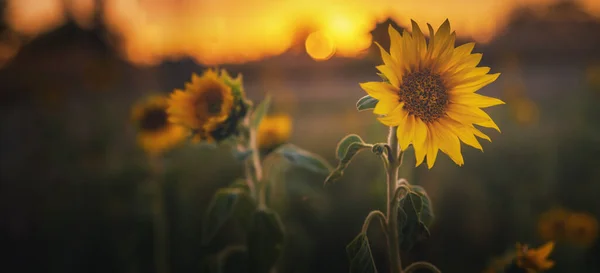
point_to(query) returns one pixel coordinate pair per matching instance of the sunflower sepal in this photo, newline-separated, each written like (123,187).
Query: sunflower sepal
(260,111)
(366,103)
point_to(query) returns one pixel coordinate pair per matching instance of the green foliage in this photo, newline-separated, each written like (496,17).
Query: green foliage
(264,241)
(305,166)
(347,148)
(295,156)
(415,215)
(260,111)
(227,203)
(219,263)
(426,215)
(359,253)
(366,103)
(241,155)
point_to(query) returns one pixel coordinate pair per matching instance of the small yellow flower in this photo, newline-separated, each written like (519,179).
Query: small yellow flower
(273,131)
(155,133)
(430,93)
(581,229)
(534,260)
(552,224)
(205,103)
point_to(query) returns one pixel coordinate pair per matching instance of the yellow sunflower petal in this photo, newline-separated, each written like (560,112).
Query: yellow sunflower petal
(385,106)
(489,124)
(474,99)
(464,114)
(467,74)
(405,133)
(386,57)
(449,144)
(441,38)
(462,132)
(479,134)
(475,83)
(419,141)
(419,39)
(394,117)
(395,44)
(471,60)
(409,56)
(545,250)
(380,90)
(432,146)
(463,50)
(390,74)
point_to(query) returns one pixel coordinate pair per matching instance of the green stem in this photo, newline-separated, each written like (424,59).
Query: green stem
(370,217)
(392,206)
(262,195)
(160,219)
(422,265)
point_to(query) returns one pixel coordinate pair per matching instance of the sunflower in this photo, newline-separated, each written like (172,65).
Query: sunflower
(429,93)
(273,131)
(211,106)
(552,224)
(155,133)
(581,229)
(534,260)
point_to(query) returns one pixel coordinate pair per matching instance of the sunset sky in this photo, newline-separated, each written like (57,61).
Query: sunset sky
(234,31)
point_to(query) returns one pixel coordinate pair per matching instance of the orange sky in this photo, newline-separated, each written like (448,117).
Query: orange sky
(234,31)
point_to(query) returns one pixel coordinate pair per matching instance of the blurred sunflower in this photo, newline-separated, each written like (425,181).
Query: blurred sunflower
(155,133)
(581,229)
(534,260)
(211,106)
(552,224)
(273,131)
(429,93)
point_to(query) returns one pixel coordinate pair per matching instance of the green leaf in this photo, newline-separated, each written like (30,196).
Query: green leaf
(412,229)
(344,144)
(366,103)
(226,203)
(260,111)
(336,174)
(303,158)
(359,253)
(219,263)
(426,216)
(264,241)
(240,184)
(347,148)
(241,155)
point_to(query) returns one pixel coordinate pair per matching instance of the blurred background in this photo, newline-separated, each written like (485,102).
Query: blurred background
(73,198)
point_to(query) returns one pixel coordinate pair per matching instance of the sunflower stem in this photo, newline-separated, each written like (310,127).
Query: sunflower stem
(248,173)
(159,214)
(392,206)
(258,173)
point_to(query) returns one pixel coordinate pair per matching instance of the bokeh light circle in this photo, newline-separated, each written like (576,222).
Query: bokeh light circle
(320,46)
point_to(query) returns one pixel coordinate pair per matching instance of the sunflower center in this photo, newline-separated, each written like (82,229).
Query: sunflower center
(210,102)
(154,119)
(424,95)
